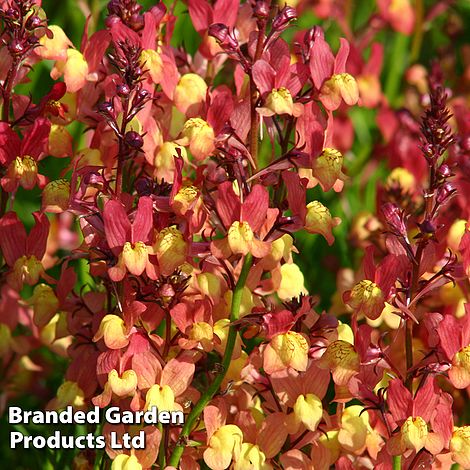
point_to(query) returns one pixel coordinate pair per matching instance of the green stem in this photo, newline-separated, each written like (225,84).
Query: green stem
(396,66)
(162,450)
(213,388)
(419,31)
(397,462)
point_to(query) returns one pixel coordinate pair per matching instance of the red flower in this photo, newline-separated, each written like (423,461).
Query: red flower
(129,241)
(329,74)
(22,252)
(242,221)
(454,335)
(21,155)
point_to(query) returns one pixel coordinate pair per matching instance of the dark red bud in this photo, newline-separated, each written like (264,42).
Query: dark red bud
(136,22)
(114,7)
(394,218)
(444,193)
(12,14)
(111,20)
(142,95)
(16,47)
(427,227)
(282,19)
(33,22)
(123,90)
(218,31)
(134,140)
(261,9)
(106,107)
(223,36)
(144,186)
(444,171)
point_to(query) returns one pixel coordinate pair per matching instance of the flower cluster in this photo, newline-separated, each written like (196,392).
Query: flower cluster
(161,265)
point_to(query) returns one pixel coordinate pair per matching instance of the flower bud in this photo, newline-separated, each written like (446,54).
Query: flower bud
(427,227)
(106,107)
(136,21)
(33,22)
(444,171)
(12,14)
(261,9)
(123,90)
(218,31)
(134,140)
(16,47)
(282,19)
(142,94)
(395,218)
(445,192)
(114,7)
(144,186)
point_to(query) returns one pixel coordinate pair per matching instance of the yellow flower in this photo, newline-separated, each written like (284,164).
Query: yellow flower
(224,445)
(251,458)
(327,168)
(319,220)
(366,298)
(69,393)
(135,257)
(286,350)
(342,359)
(152,62)
(55,196)
(292,282)
(126,462)
(308,409)
(113,330)
(171,249)
(414,432)
(460,446)
(190,93)
(25,170)
(125,385)
(200,137)
(161,397)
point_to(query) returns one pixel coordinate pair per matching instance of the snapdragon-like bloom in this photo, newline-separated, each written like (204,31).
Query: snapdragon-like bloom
(243,222)
(129,241)
(23,253)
